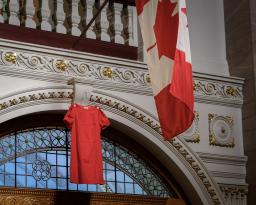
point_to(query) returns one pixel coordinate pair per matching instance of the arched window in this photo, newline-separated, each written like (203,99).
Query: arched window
(39,158)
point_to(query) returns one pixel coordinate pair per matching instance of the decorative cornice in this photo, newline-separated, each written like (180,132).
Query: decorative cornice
(109,73)
(74,67)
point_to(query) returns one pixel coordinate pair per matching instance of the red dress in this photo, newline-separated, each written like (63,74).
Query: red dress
(86,123)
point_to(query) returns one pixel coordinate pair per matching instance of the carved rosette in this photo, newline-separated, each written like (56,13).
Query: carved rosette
(192,133)
(60,65)
(10,57)
(221,130)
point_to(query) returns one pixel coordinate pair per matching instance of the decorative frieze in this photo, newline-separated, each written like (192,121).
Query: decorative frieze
(216,89)
(221,130)
(205,89)
(73,68)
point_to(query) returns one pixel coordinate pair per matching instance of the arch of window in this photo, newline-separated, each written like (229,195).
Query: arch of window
(39,158)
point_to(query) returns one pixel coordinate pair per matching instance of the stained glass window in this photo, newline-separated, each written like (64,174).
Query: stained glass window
(40,158)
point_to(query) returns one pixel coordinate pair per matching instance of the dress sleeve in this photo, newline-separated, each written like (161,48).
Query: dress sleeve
(69,117)
(103,120)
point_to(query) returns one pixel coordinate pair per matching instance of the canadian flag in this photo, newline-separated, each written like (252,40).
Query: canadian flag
(164,29)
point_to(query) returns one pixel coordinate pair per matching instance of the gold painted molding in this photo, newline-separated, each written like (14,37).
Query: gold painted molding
(12,196)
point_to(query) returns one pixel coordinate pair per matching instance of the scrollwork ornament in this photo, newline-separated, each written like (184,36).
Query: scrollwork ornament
(9,200)
(127,75)
(221,130)
(210,88)
(34,61)
(219,90)
(83,68)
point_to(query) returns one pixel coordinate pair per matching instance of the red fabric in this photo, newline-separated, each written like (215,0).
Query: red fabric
(167,31)
(175,102)
(86,123)
(165,36)
(140,4)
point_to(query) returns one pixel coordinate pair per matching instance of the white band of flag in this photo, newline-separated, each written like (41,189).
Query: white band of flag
(165,35)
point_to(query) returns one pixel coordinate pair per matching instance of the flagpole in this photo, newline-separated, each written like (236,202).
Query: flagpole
(89,24)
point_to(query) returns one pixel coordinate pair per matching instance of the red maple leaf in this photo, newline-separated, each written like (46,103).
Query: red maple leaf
(166,28)
(140,4)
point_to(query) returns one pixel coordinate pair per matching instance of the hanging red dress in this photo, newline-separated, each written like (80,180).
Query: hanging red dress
(86,123)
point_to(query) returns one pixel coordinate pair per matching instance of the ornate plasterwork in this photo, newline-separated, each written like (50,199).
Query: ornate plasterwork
(221,130)
(112,73)
(43,95)
(74,68)
(152,123)
(234,189)
(47,197)
(130,112)
(217,89)
(192,134)
(234,194)
(221,92)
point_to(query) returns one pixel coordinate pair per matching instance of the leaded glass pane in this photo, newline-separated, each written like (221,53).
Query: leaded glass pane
(40,158)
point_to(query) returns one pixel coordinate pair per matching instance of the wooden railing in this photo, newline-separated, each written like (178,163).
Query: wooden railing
(116,23)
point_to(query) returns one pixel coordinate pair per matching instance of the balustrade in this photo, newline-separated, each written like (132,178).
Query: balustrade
(116,23)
